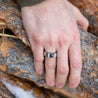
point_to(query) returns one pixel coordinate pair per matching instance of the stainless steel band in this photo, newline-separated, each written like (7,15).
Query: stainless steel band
(50,54)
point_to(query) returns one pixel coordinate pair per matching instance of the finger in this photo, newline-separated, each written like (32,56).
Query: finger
(82,21)
(38,58)
(50,64)
(62,67)
(75,63)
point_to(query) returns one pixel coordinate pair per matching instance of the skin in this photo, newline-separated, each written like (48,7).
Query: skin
(52,25)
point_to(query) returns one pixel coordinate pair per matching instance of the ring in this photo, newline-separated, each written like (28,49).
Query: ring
(50,54)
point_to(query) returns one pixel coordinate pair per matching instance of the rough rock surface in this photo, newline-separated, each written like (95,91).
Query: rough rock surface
(19,84)
(11,15)
(90,10)
(17,59)
(4,92)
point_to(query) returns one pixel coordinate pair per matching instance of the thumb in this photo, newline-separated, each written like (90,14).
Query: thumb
(82,21)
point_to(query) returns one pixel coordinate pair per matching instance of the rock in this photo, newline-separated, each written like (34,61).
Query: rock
(13,87)
(4,92)
(90,10)
(11,15)
(17,59)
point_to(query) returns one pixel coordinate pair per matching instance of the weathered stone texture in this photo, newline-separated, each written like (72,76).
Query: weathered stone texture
(10,14)
(17,59)
(4,92)
(90,10)
(36,92)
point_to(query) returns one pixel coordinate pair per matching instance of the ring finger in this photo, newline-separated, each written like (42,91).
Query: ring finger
(50,64)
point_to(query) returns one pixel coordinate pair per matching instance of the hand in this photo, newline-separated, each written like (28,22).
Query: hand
(52,25)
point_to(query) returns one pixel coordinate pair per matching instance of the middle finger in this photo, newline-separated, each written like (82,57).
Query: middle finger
(62,67)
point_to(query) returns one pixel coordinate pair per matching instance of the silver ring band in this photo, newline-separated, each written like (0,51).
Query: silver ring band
(50,55)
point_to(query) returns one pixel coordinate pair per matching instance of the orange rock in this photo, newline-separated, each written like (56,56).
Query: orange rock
(90,9)
(18,61)
(9,83)
(11,15)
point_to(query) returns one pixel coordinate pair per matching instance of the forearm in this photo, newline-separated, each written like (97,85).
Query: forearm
(28,2)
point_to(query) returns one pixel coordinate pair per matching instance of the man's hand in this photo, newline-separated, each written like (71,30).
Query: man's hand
(52,25)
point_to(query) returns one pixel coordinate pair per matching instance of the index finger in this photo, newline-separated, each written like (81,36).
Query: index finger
(75,63)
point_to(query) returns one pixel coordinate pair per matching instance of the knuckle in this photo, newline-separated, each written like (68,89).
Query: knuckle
(50,66)
(51,40)
(77,10)
(63,70)
(39,60)
(63,41)
(37,39)
(77,65)
(61,82)
(87,22)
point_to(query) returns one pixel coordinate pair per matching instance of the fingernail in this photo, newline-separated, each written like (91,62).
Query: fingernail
(73,84)
(59,85)
(51,83)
